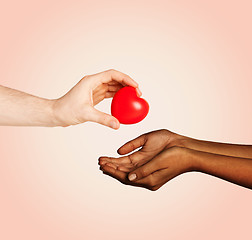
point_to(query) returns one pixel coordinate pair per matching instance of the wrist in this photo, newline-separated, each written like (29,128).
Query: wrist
(53,121)
(177,140)
(195,160)
(184,157)
(188,158)
(58,119)
(43,114)
(185,142)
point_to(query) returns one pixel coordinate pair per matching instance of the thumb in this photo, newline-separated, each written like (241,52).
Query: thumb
(103,118)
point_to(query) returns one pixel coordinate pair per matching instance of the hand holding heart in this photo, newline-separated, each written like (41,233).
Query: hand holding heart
(77,106)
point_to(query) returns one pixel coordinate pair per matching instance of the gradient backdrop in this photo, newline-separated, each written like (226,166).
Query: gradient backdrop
(193,62)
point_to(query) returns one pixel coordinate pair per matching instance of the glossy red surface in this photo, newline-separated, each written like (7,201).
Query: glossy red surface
(127,107)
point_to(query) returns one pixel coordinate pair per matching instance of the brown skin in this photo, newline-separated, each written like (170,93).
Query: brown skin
(164,155)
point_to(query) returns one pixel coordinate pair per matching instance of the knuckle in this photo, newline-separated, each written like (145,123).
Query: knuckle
(132,145)
(85,77)
(102,119)
(127,76)
(113,171)
(105,88)
(145,138)
(111,70)
(131,159)
(163,131)
(152,182)
(155,188)
(152,188)
(142,172)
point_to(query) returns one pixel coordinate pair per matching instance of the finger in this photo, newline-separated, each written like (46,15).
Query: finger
(120,168)
(125,169)
(132,145)
(102,93)
(105,91)
(103,118)
(100,88)
(118,161)
(110,165)
(113,75)
(146,169)
(108,86)
(127,166)
(130,160)
(120,176)
(139,93)
(154,180)
(115,88)
(110,94)
(113,82)
(155,188)
(97,99)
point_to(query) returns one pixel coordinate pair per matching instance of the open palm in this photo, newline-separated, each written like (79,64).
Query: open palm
(150,145)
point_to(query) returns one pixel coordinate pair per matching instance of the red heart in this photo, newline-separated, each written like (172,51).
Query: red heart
(127,107)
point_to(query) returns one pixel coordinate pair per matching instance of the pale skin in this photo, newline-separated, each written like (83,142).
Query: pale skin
(164,155)
(76,106)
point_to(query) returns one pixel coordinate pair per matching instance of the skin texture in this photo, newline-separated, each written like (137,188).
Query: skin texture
(76,106)
(163,155)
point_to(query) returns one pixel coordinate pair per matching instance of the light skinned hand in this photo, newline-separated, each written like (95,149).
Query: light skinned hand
(77,106)
(18,108)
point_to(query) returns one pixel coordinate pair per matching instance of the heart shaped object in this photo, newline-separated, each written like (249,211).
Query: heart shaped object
(127,107)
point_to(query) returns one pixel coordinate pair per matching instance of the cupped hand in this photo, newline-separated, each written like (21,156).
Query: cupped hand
(77,106)
(155,173)
(150,145)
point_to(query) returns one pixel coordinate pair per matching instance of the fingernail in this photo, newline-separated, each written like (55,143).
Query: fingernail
(132,176)
(139,92)
(113,125)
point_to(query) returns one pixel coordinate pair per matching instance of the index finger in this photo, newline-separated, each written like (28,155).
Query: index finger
(114,75)
(132,145)
(119,175)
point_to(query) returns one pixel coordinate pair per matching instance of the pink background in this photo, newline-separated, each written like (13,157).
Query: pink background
(193,62)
